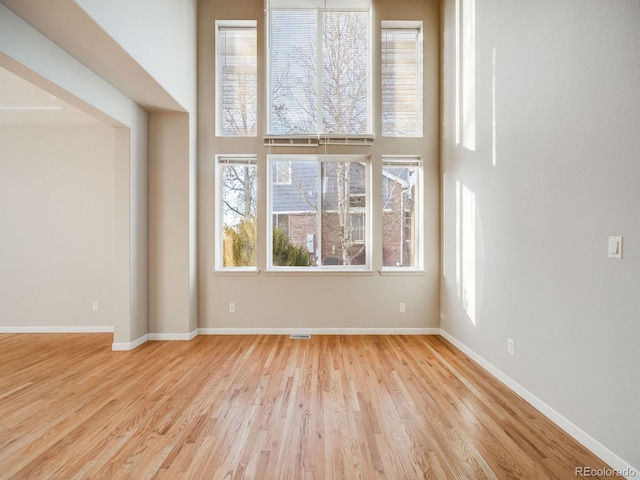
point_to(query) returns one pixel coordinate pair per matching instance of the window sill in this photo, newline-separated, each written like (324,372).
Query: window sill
(401,272)
(317,272)
(243,272)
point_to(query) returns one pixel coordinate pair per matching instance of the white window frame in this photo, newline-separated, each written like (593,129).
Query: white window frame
(221,25)
(366,210)
(407,26)
(418,247)
(319,5)
(220,161)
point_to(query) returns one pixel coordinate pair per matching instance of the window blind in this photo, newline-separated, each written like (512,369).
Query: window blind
(237,81)
(318,55)
(401,82)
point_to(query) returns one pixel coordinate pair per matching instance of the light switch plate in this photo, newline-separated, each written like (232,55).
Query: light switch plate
(615,247)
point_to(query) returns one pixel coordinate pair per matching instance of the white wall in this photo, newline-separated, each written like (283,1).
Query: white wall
(160,35)
(57,223)
(148,50)
(26,52)
(528,209)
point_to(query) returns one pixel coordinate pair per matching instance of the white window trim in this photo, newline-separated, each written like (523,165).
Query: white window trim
(322,137)
(318,159)
(221,24)
(219,205)
(410,25)
(419,267)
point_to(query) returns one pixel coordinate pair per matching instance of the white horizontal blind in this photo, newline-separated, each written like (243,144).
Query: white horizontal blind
(237,81)
(239,160)
(319,67)
(319,4)
(401,160)
(401,82)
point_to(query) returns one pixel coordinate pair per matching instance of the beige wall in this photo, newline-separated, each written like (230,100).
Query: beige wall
(171,306)
(553,173)
(57,223)
(26,52)
(154,77)
(282,300)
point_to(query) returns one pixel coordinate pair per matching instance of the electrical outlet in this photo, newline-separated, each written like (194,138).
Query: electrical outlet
(511,346)
(95,306)
(232,307)
(403,308)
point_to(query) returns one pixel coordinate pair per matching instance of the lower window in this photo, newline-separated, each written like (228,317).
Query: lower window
(237,232)
(401,225)
(320,215)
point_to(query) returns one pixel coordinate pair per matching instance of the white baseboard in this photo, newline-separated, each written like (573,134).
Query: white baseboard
(173,336)
(319,331)
(590,443)
(125,346)
(59,329)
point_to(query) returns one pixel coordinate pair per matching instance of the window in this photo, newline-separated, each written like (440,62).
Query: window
(401,225)
(325,226)
(236,84)
(358,227)
(319,67)
(282,172)
(237,189)
(401,79)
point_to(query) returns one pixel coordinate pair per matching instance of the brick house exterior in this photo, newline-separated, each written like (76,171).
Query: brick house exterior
(299,221)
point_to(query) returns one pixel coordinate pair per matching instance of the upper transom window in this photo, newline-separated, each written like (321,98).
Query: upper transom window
(319,58)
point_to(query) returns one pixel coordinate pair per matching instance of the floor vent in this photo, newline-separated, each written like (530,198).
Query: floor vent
(300,336)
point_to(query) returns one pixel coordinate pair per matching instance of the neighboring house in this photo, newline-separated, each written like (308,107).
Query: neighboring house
(296,203)
(398,216)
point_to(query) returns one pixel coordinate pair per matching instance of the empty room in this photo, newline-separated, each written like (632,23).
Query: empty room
(319,239)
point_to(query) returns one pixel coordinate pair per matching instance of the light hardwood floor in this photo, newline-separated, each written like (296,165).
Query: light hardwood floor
(267,407)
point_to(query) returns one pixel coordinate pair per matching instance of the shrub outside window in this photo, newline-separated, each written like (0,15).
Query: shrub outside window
(237,219)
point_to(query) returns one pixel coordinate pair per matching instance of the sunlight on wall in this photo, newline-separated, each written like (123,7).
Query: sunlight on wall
(494,160)
(466,249)
(469,74)
(458,240)
(469,253)
(457,73)
(444,225)
(465,39)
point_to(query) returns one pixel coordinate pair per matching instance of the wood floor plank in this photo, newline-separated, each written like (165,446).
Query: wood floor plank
(267,407)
